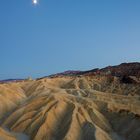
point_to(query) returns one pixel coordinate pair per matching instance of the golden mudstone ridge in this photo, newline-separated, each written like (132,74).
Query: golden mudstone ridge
(68,108)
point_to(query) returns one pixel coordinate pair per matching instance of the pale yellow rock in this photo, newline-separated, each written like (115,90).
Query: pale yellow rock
(68,108)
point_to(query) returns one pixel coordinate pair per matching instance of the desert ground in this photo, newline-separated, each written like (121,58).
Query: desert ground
(87,106)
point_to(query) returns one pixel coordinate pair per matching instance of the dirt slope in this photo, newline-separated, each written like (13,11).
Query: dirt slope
(69,108)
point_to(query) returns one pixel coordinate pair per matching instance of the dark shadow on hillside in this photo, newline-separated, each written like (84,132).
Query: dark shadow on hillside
(88,131)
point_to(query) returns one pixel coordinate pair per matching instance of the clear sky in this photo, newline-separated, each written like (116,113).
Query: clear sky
(59,35)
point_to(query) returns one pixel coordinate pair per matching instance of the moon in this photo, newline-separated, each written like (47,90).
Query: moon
(35,2)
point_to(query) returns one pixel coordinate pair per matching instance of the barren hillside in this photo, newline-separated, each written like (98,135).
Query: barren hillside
(91,106)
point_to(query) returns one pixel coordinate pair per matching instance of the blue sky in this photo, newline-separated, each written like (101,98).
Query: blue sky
(59,35)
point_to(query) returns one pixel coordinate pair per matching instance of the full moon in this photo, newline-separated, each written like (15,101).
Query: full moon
(35,1)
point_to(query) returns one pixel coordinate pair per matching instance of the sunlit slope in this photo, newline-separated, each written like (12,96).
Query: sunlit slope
(11,95)
(59,116)
(70,108)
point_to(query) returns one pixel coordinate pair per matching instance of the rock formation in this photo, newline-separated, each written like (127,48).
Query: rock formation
(85,107)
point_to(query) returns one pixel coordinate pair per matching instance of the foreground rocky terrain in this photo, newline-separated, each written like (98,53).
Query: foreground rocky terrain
(93,105)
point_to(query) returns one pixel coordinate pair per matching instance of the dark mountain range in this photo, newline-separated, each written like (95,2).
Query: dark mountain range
(10,80)
(124,69)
